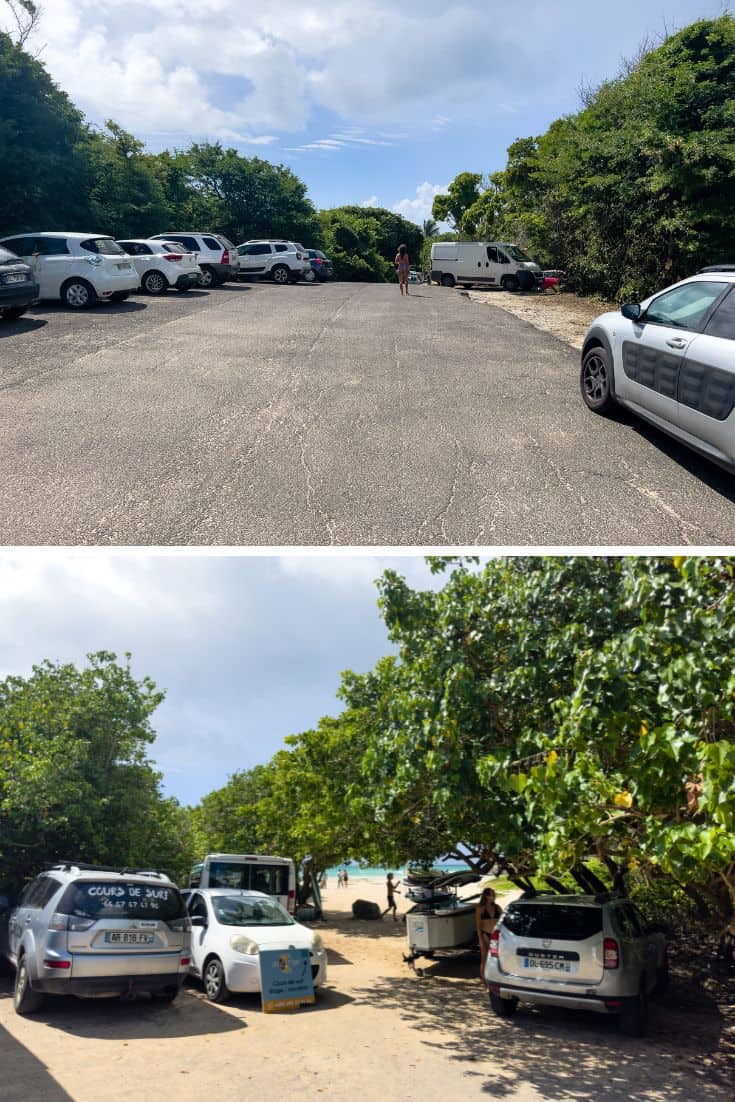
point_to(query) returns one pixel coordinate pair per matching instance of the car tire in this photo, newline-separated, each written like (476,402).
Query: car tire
(596,381)
(207,278)
(309,276)
(447,280)
(280,274)
(213,978)
(154,283)
(77,294)
(633,1018)
(25,999)
(510,283)
(504,1008)
(12,312)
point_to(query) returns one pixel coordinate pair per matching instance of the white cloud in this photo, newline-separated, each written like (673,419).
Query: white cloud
(371,201)
(419,208)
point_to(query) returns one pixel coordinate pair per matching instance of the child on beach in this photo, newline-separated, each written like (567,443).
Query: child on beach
(391,889)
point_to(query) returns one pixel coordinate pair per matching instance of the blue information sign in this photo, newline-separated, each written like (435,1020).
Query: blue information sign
(285,979)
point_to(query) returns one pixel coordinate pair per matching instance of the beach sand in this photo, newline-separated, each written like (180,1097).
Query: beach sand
(378,1031)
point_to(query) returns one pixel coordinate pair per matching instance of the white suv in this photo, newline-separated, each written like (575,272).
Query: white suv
(78,268)
(215,254)
(671,359)
(281,261)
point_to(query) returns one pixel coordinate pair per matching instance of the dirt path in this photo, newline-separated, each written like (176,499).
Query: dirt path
(564,315)
(378,1032)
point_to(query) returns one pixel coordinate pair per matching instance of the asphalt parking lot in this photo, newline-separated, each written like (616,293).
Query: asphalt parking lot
(326,414)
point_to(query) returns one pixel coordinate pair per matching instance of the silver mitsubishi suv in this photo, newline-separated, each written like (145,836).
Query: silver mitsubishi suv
(585,952)
(83,930)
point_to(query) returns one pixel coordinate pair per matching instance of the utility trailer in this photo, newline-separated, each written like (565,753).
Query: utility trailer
(439,921)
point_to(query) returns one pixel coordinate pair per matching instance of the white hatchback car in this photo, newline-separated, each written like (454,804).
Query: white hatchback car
(671,359)
(230,927)
(78,268)
(162,264)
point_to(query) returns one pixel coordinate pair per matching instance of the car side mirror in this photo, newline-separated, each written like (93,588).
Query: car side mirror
(632,311)
(198,920)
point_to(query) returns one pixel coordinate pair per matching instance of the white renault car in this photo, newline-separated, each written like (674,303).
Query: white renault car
(162,264)
(78,268)
(230,927)
(671,359)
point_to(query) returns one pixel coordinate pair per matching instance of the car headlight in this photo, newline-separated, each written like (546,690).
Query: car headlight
(316,943)
(244,945)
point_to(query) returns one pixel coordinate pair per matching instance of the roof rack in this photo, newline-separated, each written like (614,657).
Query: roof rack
(717,268)
(83,866)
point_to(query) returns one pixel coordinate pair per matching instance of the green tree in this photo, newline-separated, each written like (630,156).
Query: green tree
(126,196)
(75,779)
(453,207)
(362,241)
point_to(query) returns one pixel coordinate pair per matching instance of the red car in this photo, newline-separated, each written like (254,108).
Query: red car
(553,280)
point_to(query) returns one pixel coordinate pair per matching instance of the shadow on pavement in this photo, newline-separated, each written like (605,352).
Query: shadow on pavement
(10,328)
(562,1055)
(141,1019)
(23,1076)
(718,479)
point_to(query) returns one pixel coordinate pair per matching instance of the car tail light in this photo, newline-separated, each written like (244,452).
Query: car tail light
(226,256)
(291,901)
(173,256)
(318,259)
(494,939)
(185,962)
(64,964)
(610,953)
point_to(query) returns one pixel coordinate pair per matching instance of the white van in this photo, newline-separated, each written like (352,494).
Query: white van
(275,876)
(490,263)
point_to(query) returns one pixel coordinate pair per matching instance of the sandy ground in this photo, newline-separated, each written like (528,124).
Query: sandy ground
(378,1031)
(564,315)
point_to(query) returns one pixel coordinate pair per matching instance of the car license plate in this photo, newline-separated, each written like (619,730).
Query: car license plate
(128,937)
(17,277)
(549,965)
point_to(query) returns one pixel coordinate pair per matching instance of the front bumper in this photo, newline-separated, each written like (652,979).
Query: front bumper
(243,974)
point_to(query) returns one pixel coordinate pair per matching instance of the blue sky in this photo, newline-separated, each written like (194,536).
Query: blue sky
(248,648)
(369,101)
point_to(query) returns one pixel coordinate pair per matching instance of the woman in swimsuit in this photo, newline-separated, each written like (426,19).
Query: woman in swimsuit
(487,913)
(403,266)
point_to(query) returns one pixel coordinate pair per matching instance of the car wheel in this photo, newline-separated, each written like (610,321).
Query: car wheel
(309,276)
(280,274)
(25,999)
(510,283)
(206,279)
(595,380)
(155,283)
(504,1008)
(119,296)
(447,280)
(14,311)
(214,981)
(634,1016)
(77,294)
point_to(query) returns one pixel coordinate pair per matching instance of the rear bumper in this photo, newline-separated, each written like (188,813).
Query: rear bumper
(110,985)
(594,1001)
(19,294)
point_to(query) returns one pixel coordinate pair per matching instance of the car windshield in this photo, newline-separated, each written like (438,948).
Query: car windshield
(231,911)
(125,899)
(516,254)
(103,245)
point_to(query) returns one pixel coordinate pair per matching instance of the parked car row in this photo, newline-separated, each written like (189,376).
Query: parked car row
(98,932)
(80,269)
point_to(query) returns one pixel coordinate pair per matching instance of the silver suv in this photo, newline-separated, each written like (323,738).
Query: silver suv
(281,261)
(81,930)
(580,951)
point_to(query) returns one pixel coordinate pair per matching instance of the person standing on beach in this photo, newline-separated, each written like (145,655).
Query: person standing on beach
(487,913)
(403,266)
(391,889)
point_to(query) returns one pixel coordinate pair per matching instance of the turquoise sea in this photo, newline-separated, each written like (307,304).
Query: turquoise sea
(355,872)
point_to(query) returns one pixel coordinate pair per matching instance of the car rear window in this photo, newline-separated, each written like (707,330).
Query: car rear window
(102,245)
(271,879)
(211,243)
(557,921)
(124,899)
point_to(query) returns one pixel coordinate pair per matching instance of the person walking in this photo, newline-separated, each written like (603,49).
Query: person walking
(487,913)
(403,266)
(390,887)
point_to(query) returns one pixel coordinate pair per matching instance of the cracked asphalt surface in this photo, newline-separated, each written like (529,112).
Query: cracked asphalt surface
(335,414)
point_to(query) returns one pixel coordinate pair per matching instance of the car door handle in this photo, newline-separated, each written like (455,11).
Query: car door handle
(677,342)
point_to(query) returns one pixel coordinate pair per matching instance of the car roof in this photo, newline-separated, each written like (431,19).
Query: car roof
(189,233)
(75,873)
(70,235)
(239,893)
